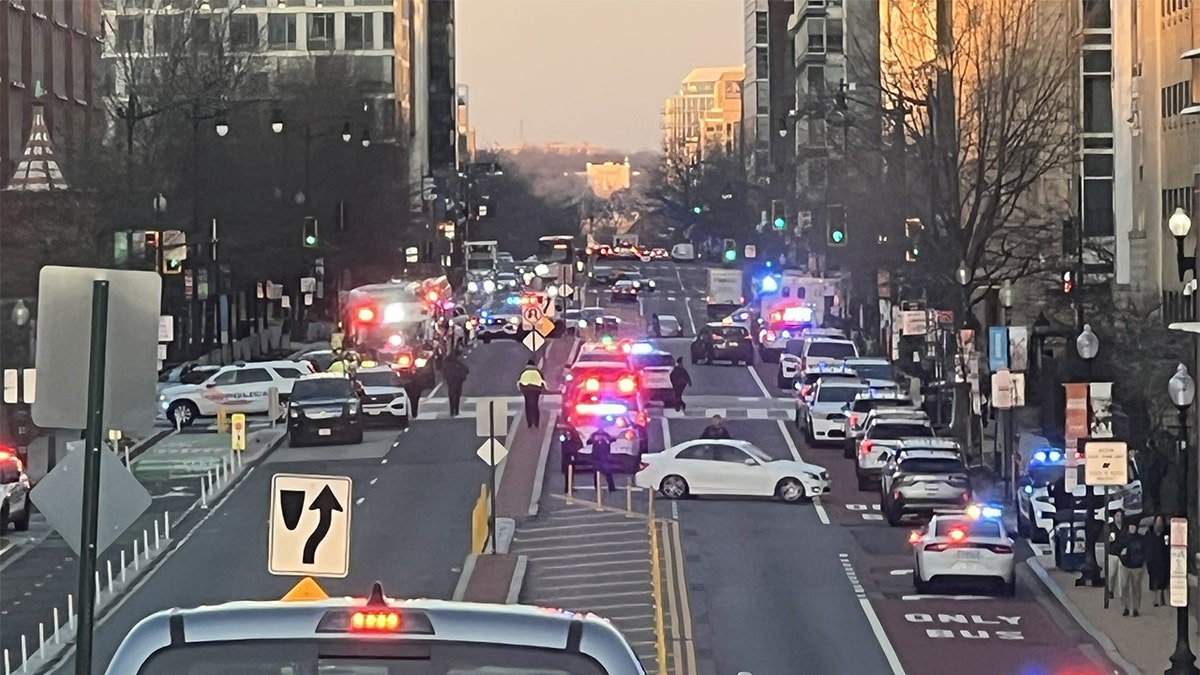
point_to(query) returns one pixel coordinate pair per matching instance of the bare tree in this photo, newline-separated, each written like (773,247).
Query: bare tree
(990,131)
(710,191)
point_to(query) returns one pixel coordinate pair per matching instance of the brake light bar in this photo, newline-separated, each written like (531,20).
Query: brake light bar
(627,385)
(603,409)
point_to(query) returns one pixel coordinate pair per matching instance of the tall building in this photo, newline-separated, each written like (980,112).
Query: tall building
(442,87)
(706,115)
(768,92)
(49,54)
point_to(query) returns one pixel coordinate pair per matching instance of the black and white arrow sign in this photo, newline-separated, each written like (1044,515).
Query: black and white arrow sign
(310,525)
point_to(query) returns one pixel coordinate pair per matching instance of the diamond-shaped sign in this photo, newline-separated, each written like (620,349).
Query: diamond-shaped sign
(566,290)
(533,342)
(492,452)
(544,327)
(59,496)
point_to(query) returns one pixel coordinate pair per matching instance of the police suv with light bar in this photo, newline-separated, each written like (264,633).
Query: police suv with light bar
(1035,507)
(967,544)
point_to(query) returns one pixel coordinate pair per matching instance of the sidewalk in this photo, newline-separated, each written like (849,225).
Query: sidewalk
(1146,641)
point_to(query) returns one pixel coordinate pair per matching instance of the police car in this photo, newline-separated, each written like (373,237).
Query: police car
(791,360)
(384,398)
(576,427)
(882,436)
(309,632)
(824,415)
(500,321)
(238,388)
(807,384)
(783,324)
(861,407)
(1047,466)
(655,366)
(967,545)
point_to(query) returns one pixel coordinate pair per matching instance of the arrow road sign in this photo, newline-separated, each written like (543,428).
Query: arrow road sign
(310,525)
(1106,463)
(533,342)
(532,314)
(492,449)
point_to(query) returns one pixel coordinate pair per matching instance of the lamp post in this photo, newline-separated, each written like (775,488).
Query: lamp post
(1088,346)
(1182,390)
(1007,470)
(21,316)
(1180,224)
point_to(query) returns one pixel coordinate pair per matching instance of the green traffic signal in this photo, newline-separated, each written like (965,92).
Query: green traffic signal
(730,255)
(310,240)
(697,209)
(780,223)
(837,236)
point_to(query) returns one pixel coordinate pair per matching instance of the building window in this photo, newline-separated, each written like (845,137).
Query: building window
(15,42)
(37,51)
(167,30)
(243,32)
(281,31)
(762,63)
(816,80)
(389,30)
(202,31)
(833,35)
(1097,14)
(1097,61)
(58,57)
(320,32)
(761,28)
(1097,104)
(359,31)
(762,96)
(816,36)
(1097,209)
(131,33)
(78,78)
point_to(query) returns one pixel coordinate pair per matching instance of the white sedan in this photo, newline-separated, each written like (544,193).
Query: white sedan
(971,545)
(729,467)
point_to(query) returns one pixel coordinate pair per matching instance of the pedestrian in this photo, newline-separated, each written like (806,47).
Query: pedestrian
(1158,559)
(1131,549)
(680,380)
(532,386)
(654,327)
(455,373)
(414,386)
(601,444)
(1112,566)
(716,429)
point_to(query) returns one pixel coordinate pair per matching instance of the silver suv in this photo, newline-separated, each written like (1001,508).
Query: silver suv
(881,437)
(923,475)
(858,409)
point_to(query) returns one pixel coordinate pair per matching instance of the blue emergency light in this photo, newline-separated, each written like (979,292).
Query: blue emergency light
(642,348)
(1047,456)
(512,300)
(769,284)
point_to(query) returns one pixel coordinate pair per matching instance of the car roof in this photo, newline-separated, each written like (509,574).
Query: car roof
(322,376)
(871,360)
(826,339)
(887,394)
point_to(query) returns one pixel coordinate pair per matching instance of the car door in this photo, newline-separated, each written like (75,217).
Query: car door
(695,464)
(741,474)
(250,392)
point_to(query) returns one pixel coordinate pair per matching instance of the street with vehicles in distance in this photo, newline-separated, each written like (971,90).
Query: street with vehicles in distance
(724,583)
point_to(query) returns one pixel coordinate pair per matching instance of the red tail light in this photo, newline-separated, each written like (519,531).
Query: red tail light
(642,466)
(629,435)
(404,360)
(999,548)
(432,296)
(592,384)
(935,547)
(375,622)
(865,447)
(914,537)
(957,534)
(627,385)
(642,419)
(366,314)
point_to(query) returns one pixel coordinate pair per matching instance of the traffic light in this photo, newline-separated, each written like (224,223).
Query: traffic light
(310,232)
(172,265)
(1068,281)
(778,215)
(697,209)
(836,226)
(152,248)
(730,250)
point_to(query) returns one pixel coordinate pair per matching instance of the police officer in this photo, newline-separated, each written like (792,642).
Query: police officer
(680,380)
(532,386)
(601,443)
(455,372)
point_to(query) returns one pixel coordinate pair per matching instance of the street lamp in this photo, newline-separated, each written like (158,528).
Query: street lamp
(1006,299)
(346,135)
(277,121)
(1088,346)
(1182,390)
(222,127)
(1180,224)
(963,274)
(366,138)
(20,313)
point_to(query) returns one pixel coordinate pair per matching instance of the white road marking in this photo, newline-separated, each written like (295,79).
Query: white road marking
(374,479)
(666,432)
(900,573)
(675,509)
(822,514)
(434,390)
(971,598)
(713,412)
(872,618)
(360,500)
(756,413)
(758,380)
(688,307)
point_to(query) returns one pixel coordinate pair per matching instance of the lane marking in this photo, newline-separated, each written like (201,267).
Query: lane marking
(872,618)
(666,432)
(685,608)
(758,380)
(360,500)
(675,509)
(822,514)
(686,304)
(714,412)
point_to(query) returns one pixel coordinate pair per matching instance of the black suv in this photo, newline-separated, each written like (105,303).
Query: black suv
(325,407)
(723,342)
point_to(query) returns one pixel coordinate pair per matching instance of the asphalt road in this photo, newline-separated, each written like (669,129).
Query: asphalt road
(413,494)
(827,587)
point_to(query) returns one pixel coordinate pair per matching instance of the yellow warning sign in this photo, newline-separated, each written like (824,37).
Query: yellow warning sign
(307,590)
(238,427)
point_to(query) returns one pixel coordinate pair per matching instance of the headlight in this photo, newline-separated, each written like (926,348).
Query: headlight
(582,323)
(421,361)
(489,285)
(812,476)
(292,412)
(541,270)
(513,320)
(472,287)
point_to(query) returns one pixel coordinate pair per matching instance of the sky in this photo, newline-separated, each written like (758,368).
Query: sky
(586,70)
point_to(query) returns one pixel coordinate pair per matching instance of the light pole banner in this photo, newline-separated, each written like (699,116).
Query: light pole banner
(1100,400)
(1076,423)
(997,348)
(1018,349)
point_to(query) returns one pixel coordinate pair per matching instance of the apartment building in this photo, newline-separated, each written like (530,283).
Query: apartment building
(706,114)
(768,92)
(49,51)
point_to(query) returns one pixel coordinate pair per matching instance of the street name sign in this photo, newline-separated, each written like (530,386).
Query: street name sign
(64,340)
(59,497)
(310,525)
(1105,463)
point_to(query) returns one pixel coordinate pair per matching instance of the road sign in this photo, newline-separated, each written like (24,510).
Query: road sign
(532,313)
(566,290)
(59,497)
(310,525)
(1178,581)
(237,429)
(544,327)
(492,452)
(166,328)
(491,417)
(533,342)
(20,386)
(64,338)
(1106,463)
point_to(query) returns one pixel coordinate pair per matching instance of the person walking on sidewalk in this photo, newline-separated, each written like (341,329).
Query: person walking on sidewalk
(601,444)
(455,372)
(1112,565)
(680,380)
(1158,559)
(532,386)
(1131,549)
(414,386)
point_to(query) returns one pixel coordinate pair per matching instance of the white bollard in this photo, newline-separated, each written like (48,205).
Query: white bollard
(239,460)
(146,544)
(204,492)
(167,525)
(41,638)
(71,610)
(137,561)
(110,575)
(24,651)
(96,597)
(56,625)
(122,565)
(7,664)
(157,541)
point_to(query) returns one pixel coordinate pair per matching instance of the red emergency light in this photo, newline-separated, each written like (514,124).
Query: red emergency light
(375,622)
(627,385)
(366,314)
(404,360)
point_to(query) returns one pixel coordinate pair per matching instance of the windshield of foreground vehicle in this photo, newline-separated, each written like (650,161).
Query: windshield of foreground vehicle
(303,657)
(837,394)
(380,379)
(831,350)
(874,371)
(323,388)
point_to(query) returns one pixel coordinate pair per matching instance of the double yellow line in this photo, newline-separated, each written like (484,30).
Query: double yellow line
(673,602)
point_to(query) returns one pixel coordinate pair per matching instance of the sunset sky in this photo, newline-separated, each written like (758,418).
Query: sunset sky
(586,70)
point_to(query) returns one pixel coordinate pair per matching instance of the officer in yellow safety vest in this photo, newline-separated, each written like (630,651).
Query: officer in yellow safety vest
(532,386)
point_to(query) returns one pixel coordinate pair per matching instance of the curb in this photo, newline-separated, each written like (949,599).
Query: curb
(518,580)
(1102,639)
(514,585)
(464,578)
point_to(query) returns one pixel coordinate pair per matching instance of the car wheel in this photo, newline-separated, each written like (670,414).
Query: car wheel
(673,487)
(790,490)
(357,437)
(183,412)
(919,584)
(22,524)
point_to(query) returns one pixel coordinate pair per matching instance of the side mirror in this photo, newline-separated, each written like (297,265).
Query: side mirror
(750,462)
